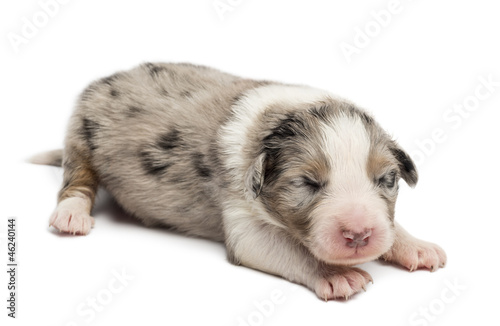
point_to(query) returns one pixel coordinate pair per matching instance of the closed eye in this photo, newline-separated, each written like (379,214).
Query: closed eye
(314,185)
(306,182)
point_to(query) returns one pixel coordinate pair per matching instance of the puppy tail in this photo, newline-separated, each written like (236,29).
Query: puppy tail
(48,158)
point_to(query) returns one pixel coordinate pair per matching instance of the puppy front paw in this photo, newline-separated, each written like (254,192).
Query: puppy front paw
(340,282)
(417,254)
(71,217)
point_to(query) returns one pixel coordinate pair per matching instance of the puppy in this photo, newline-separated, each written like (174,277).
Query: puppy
(294,181)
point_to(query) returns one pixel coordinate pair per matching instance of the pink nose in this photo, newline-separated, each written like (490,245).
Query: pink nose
(354,240)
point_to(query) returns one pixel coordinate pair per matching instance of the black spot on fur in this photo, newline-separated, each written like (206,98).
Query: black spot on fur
(133,111)
(289,127)
(366,118)
(89,131)
(322,113)
(201,168)
(287,130)
(273,172)
(152,165)
(154,70)
(114,93)
(186,94)
(169,140)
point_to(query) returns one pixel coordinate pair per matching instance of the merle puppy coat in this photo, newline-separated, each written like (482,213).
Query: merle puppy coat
(295,181)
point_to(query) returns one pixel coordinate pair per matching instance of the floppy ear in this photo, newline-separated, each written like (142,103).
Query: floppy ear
(254,178)
(406,166)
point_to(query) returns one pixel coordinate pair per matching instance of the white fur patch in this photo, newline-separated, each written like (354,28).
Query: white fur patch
(352,203)
(347,144)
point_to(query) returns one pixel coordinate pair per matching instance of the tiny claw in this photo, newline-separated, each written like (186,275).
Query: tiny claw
(346,298)
(363,287)
(326,298)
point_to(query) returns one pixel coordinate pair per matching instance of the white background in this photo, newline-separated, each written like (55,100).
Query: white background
(428,58)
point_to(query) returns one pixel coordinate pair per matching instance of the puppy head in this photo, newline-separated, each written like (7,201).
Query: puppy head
(329,174)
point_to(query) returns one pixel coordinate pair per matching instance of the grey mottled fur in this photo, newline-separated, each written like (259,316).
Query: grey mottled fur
(131,115)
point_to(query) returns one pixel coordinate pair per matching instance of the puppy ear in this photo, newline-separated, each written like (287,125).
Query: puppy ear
(406,165)
(254,178)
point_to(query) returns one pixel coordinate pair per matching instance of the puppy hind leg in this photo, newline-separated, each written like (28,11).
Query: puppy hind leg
(76,198)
